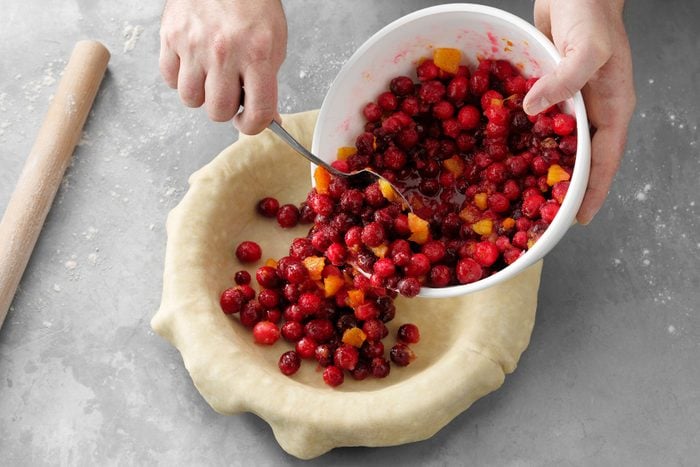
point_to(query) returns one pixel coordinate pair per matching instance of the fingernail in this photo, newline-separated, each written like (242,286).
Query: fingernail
(533,108)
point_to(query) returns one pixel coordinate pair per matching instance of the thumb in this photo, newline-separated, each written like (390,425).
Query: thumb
(574,70)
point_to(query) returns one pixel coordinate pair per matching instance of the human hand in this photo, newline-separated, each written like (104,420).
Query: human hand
(596,59)
(210,49)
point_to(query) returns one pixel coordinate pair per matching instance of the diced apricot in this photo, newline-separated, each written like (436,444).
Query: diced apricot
(508,223)
(322,179)
(356,297)
(419,229)
(483,227)
(556,174)
(315,265)
(271,262)
(380,251)
(455,165)
(332,284)
(344,152)
(447,59)
(354,336)
(481,200)
(387,190)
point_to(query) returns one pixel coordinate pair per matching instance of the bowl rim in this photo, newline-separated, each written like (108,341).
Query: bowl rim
(579,179)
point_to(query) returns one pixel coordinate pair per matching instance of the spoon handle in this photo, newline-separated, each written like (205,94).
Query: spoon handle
(289,139)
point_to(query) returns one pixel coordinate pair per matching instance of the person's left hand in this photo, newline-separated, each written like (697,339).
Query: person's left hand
(596,59)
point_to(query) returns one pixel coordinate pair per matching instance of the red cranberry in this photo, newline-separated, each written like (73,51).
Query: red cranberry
(288,216)
(409,287)
(320,330)
(268,207)
(479,83)
(361,371)
(346,357)
(498,202)
(486,253)
(289,363)
(373,234)
(427,70)
(336,254)
(563,124)
(251,313)
(321,204)
(384,268)
(469,117)
(372,349)
(248,292)
(324,355)
(468,271)
(440,276)
(306,214)
(458,88)
(401,354)
(266,333)
(267,277)
(310,303)
(548,211)
(367,310)
(269,298)
(242,277)
(431,91)
(380,367)
(531,205)
(374,329)
(419,265)
(333,376)
(401,86)
(292,331)
(372,112)
(559,191)
(515,85)
(232,300)
(305,347)
(248,252)
(387,101)
(293,313)
(543,126)
(443,110)
(409,333)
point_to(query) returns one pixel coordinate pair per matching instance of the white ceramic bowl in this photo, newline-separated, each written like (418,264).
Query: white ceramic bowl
(478,31)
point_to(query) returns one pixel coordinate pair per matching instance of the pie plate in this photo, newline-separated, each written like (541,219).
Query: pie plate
(468,343)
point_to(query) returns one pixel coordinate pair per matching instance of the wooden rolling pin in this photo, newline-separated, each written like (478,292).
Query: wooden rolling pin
(46,164)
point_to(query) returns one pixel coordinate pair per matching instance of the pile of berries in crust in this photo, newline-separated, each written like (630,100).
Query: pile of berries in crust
(484,181)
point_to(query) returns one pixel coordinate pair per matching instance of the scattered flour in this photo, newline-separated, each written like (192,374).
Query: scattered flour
(70,264)
(92,258)
(642,194)
(131,35)
(56,288)
(672,329)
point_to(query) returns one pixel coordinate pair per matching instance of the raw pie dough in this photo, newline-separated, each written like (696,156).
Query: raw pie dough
(468,344)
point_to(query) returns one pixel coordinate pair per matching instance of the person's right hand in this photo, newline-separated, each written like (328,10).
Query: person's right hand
(210,49)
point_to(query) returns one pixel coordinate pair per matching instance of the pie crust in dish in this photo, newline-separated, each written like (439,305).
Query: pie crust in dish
(468,344)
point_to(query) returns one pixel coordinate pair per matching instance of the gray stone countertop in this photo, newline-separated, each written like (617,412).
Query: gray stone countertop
(611,375)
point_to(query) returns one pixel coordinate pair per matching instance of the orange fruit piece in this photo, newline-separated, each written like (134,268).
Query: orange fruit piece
(556,174)
(419,229)
(447,59)
(354,336)
(481,201)
(315,265)
(455,165)
(344,152)
(508,223)
(387,190)
(483,227)
(380,251)
(356,298)
(322,179)
(332,284)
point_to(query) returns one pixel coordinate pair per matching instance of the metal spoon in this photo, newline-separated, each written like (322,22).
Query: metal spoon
(294,144)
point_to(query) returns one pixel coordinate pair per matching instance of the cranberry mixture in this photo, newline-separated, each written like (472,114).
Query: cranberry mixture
(484,181)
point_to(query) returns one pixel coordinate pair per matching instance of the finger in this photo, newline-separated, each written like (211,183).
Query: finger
(542,17)
(607,148)
(260,82)
(190,83)
(575,69)
(221,94)
(169,64)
